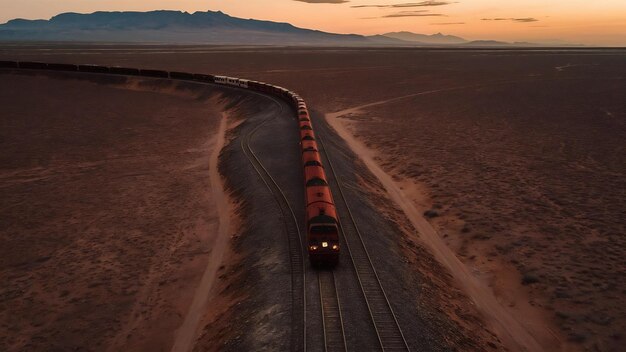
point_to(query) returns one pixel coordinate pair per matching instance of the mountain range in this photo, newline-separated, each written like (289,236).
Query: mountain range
(210,27)
(426,39)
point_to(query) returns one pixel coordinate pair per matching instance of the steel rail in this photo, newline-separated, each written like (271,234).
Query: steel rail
(332,320)
(384,319)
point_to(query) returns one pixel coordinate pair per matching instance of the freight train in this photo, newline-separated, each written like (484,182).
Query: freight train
(322,223)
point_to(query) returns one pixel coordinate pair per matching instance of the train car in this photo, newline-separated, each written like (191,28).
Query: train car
(307,135)
(203,78)
(268,88)
(303,113)
(242,83)
(264,87)
(93,69)
(9,64)
(275,90)
(63,67)
(314,175)
(124,71)
(30,65)
(311,159)
(181,75)
(254,85)
(305,125)
(154,73)
(221,79)
(309,145)
(235,82)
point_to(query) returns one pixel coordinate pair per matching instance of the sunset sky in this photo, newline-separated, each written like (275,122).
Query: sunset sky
(598,22)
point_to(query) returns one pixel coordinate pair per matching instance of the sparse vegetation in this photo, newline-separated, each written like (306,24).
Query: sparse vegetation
(529,168)
(529,278)
(431,213)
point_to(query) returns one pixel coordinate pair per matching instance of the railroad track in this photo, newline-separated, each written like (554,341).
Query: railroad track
(298,274)
(334,339)
(383,318)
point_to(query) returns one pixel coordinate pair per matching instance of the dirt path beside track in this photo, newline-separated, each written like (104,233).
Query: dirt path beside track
(187,333)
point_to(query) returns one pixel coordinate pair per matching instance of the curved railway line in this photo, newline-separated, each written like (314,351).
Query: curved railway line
(298,272)
(383,319)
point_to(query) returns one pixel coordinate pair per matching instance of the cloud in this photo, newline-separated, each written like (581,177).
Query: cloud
(409,4)
(526,19)
(446,23)
(522,20)
(323,1)
(419,13)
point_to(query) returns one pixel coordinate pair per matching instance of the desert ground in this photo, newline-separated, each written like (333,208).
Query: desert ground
(494,180)
(99,246)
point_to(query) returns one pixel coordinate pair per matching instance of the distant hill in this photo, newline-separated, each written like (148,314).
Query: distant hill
(437,38)
(487,43)
(210,27)
(495,43)
(168,27)
(384,40)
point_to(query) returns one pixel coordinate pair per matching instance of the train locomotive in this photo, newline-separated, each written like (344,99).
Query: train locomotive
(322,224)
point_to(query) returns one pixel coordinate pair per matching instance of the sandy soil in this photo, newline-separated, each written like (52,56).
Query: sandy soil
(109,212)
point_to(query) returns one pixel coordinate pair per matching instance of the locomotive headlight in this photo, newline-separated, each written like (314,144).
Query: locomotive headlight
(335,247)
(324,244)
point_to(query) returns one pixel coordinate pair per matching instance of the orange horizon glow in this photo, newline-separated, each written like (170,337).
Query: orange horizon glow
(601,23)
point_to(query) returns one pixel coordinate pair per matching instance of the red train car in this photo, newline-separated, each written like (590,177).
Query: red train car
(322,226)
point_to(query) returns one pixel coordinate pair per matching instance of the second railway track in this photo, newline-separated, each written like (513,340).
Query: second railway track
(383,317)
(298,275)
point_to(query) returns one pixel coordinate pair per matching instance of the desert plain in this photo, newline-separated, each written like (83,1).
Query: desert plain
(496,178)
